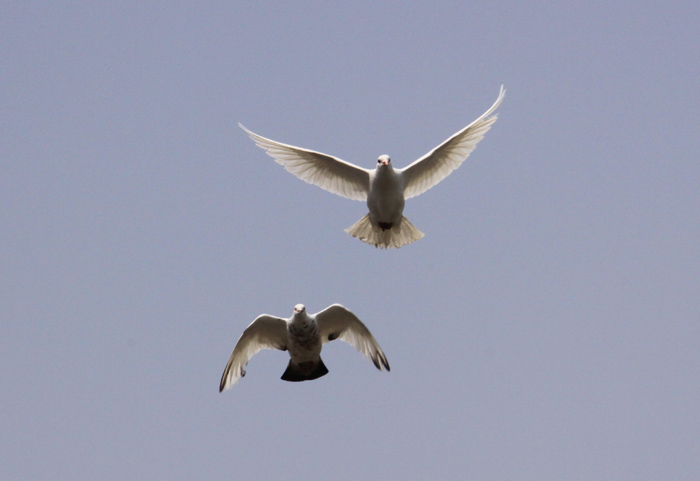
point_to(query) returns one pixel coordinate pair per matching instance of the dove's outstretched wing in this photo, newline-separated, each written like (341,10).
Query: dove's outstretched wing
(336,322)
(265,332)
(328,172)
(437,164)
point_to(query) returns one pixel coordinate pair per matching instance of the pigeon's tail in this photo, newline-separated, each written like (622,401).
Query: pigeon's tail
(305,371)
(399,235)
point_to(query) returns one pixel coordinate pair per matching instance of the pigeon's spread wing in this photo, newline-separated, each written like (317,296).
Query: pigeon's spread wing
(336,322)
(265,332)
(327,172)
(437,164)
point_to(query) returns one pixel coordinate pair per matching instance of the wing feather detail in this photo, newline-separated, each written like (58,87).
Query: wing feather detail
(265,332)
(337,322)
(328,172)
(437,164)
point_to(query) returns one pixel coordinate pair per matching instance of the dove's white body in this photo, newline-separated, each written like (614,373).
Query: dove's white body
(385,189)
(385,200)
(303,336)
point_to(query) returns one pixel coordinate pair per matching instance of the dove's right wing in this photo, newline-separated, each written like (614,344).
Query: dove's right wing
(265,332)
(437,164)
(337,322)
(328,172)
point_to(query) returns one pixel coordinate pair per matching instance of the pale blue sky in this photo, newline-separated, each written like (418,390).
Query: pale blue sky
(546,328)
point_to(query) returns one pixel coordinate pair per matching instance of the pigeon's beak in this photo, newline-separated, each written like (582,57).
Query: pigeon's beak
(385,162)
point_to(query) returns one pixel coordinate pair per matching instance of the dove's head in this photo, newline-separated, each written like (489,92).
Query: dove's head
(383,160)
(299,308)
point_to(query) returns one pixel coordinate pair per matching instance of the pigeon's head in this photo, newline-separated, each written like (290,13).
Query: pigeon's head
(299,308)
(383,160)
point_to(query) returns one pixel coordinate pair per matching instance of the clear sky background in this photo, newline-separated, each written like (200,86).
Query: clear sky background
(546,328)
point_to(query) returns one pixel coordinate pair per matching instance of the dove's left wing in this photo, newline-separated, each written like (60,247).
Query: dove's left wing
(437,164)
(328,172)
(336,322)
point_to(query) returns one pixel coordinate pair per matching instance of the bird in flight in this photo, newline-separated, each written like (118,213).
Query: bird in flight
(385,189)
(303,336)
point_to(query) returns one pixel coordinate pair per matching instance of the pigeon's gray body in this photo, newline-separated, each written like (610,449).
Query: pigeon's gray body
(304,345)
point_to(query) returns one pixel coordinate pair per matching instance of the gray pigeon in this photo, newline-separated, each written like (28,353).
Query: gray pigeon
(302,335)
(385,189)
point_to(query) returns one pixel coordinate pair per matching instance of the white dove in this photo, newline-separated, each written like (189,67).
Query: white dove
(385,189)
(302,335)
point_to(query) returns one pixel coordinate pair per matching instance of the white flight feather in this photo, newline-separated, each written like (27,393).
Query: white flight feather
(328,172)
(265,332)
(337,322)
(437,164)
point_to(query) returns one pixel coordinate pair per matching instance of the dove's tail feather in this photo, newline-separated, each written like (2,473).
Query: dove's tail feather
(399,235)
(305,371)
